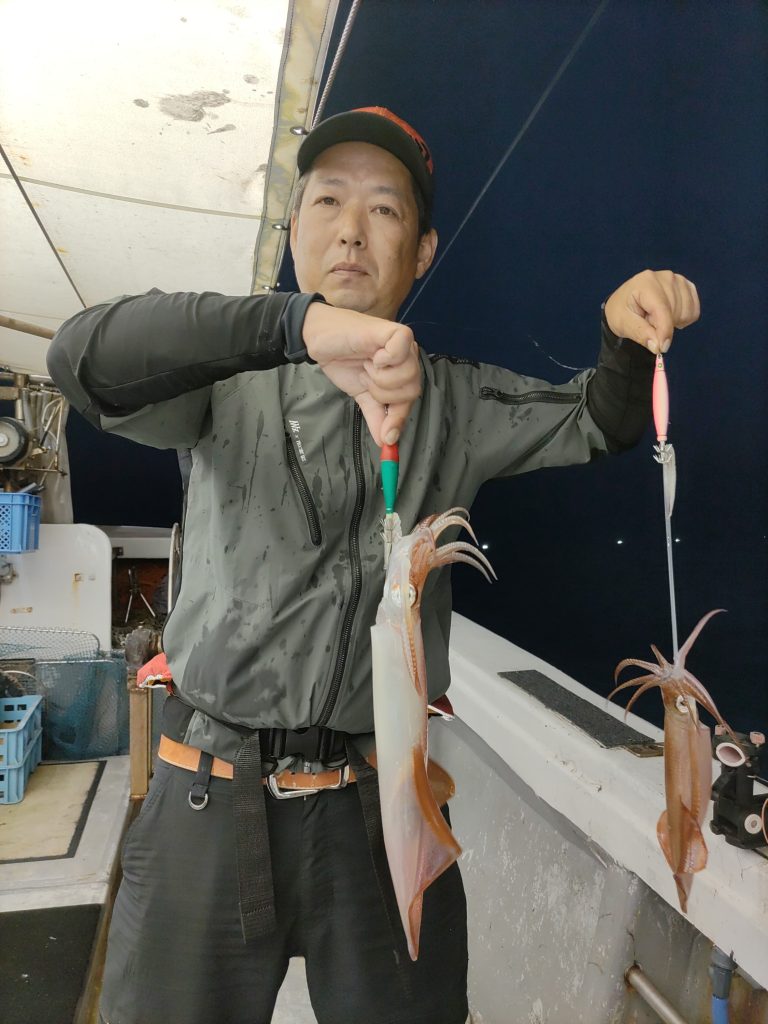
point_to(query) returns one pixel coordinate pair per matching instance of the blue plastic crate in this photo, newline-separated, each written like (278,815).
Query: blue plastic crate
(13,781)
(19,522)
(21,722)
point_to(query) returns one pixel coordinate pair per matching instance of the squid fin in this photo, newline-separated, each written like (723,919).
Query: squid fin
(683,883)
(662,832)
(693,854)
(435,849)
(695,849)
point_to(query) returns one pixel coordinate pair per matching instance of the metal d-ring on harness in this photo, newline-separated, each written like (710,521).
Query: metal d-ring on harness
(198,791)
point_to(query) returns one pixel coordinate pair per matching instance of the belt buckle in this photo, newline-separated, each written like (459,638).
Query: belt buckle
(290,794)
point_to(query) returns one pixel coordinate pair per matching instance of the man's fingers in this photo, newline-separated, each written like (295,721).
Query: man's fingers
(375,361)
(650,306)
(690,307)
(374,415)
(653,324)
(384,422)
(394,420)
(393,396)
(331,333)
(398,348)
(406,377)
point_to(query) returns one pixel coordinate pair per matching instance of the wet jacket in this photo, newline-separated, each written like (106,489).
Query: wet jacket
(282,566)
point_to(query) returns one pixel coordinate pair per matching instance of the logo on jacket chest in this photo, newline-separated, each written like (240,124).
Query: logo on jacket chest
(296,431)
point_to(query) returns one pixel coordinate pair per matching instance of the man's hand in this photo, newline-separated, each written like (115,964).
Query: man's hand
(649,306)
(374,361)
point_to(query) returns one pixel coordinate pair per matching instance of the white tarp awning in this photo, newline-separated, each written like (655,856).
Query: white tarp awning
(153,144)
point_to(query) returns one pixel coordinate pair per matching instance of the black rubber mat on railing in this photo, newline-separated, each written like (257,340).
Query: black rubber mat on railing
(602,727)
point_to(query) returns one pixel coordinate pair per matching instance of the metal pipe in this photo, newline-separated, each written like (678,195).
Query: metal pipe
(20,381)
(26,328)
(641,983)
(721,968)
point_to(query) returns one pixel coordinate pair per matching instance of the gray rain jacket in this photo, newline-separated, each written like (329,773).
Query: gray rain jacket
(282,565)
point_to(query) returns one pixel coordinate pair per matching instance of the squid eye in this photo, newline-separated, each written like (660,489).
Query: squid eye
(396,596)
(682,704)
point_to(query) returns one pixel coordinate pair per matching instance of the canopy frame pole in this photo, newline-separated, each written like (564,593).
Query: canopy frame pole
(26,328)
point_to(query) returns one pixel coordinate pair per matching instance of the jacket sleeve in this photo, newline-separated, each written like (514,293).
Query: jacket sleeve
(143,366)
(516,424)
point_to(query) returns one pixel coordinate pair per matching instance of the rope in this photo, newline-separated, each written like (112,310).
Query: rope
(514,144)
(336,60)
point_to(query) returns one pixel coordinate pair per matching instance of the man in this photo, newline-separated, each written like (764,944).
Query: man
(282,573)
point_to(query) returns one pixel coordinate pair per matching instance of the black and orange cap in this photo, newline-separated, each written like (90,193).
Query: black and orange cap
(380,127)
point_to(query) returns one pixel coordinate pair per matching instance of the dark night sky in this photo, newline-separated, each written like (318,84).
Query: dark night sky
(650,151)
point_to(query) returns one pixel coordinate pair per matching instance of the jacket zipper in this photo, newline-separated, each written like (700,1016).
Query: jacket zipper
(357,572)
(310,511)
(493,394)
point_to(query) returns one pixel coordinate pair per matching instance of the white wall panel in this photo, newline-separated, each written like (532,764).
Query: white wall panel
(114,247)
(170,102)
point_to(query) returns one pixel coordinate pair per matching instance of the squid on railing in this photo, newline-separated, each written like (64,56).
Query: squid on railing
(419,843)
(687,757)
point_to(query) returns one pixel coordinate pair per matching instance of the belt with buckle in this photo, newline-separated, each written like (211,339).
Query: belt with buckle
(282,785)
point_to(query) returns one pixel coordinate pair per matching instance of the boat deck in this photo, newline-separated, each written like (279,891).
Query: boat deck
(59,850)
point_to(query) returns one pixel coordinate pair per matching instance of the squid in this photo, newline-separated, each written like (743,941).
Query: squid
(687,758)
(419,843)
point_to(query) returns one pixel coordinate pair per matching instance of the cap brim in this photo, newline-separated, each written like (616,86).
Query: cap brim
(362,126)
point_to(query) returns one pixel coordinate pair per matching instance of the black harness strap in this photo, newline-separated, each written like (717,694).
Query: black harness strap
(368,791)
(198,792)
(254,867)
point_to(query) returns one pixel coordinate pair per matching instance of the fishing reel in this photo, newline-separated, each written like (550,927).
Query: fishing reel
(738,811)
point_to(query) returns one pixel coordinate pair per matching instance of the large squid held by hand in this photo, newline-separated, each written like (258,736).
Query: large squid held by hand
(418,841)
(687,758)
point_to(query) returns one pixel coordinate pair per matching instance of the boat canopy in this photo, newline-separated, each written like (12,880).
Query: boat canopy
(145,147)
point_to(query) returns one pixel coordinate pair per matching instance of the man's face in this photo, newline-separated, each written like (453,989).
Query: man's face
(355,238)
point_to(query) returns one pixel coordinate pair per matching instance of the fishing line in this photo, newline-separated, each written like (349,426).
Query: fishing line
(514,144)
(461,328)
(552,359)
(40,224)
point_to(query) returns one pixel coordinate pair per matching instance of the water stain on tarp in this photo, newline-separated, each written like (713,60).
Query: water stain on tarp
(251,79)
(141,103)
(192,107)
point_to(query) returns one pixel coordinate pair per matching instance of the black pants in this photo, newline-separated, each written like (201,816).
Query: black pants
(176,953)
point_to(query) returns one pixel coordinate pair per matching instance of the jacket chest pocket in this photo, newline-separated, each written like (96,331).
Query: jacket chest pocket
(305,495)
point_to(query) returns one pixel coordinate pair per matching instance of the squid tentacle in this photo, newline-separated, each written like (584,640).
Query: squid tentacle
(458,516)
(638,693)
(445,523)
(644,682)
(636,662)
(685,649)
(445,554)
(660,657)
(458,556)
(695,689)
